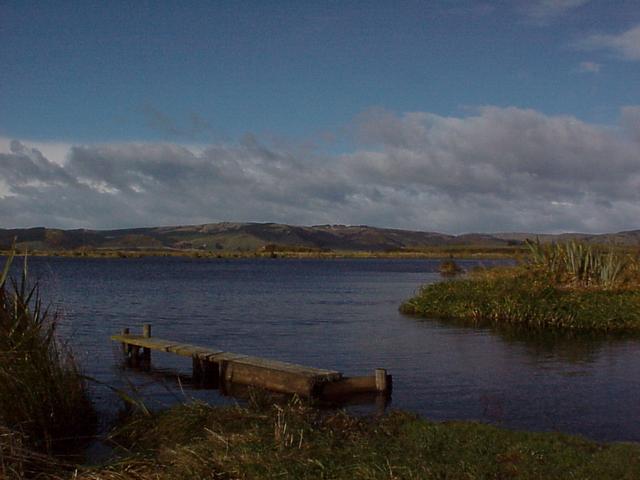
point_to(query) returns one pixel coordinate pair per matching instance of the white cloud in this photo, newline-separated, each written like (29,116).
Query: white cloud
(589,67)
(625,45)
(54,151)
(630,120)
(543,11)
(497,169)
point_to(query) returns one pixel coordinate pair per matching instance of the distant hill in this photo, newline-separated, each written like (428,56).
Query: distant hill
(255,236)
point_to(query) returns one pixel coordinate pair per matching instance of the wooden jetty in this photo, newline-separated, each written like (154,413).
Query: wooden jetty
(215,368)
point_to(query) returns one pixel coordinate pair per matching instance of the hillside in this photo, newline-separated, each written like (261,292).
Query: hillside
(248,237)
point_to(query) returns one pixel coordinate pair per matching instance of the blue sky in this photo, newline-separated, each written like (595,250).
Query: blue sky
(94,71)
(313,82)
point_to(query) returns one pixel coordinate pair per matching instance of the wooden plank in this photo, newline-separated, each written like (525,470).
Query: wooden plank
(274,380)
(187,350)
(215,355)
(158,344)
(218,357)
(140,341)
(328,375)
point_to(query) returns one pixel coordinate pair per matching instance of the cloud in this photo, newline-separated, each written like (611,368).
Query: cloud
(496,169)
(630,120)
(195,127)
(54,151)
(544,11)
(625,45)
(589,67)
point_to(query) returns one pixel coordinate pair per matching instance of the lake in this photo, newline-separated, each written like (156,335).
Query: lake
(341,314)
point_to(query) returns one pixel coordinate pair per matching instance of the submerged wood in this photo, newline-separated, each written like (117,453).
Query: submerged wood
(213,367)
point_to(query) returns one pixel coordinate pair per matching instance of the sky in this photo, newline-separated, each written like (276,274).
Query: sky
(451,116)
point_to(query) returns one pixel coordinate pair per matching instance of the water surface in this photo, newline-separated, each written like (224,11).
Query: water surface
(343,315)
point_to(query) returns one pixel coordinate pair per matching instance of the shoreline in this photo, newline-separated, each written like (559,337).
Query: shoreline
(445,253)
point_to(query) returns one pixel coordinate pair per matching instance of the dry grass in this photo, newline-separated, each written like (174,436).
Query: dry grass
(296,441)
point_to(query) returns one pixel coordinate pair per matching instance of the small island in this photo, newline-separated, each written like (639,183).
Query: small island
(568,286)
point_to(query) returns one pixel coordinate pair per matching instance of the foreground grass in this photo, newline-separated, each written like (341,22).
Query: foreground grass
(519,298)
(197,441)
(44,406)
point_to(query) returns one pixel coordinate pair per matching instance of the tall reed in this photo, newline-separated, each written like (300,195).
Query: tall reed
(580,264)
(43,396)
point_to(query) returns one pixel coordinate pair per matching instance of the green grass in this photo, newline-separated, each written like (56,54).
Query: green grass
(563,287)
(583,265)
(525,301)
(197,441)
(44,406)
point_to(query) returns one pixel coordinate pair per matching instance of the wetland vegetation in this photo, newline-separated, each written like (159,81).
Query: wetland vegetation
(47,402)
(44,405)
(297,441)
(568,286)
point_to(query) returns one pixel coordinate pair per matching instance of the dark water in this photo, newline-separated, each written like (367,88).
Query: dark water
(343,314)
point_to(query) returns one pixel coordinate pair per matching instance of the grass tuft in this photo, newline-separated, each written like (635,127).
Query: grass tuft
(43,397)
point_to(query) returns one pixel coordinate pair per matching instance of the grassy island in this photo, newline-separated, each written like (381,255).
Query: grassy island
(570,286)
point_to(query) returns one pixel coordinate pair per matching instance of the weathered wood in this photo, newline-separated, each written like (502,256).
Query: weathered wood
(139,340)
(135,356)
(146,352)
(215,367)
(269,364)
(283,381)
(381,380)
(222,356)
(126,349)
(348,386)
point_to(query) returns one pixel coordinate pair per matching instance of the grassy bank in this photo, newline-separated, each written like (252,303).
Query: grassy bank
(566,287)
(197,441)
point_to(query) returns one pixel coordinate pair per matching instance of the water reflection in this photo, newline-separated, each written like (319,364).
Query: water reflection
(545,346)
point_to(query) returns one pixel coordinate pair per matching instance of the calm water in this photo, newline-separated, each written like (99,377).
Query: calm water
(343,314)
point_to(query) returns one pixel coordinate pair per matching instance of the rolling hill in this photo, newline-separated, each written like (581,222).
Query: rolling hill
(247,237)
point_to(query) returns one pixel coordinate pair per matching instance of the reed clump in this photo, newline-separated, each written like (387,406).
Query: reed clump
(449,268)
(44,404)
(569,286)
(581,265)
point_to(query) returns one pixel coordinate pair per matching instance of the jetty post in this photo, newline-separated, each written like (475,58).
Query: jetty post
(146,351)
(382,380)
(126,348)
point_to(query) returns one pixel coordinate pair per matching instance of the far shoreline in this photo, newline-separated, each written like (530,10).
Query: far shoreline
(480,253)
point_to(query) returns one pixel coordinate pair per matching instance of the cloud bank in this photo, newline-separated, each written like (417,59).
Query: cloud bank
(497,169)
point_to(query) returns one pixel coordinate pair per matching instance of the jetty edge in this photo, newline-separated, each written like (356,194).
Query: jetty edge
(215,368)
